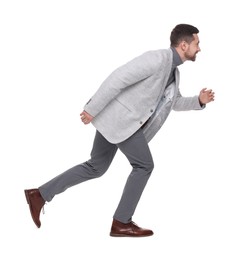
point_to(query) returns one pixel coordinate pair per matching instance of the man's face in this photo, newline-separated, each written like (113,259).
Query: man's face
(192,49)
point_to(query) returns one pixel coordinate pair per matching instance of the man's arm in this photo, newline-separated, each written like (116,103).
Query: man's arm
(193,103)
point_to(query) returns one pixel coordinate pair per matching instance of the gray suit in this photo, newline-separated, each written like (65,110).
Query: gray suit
(129,108)
(136,92)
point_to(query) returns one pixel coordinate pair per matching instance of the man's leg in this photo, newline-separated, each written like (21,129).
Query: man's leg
(102,155)
(137,151)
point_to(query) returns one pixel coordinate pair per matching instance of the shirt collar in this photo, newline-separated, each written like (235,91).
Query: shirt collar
(176,60)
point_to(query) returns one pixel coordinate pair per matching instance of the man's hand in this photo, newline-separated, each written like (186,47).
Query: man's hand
(206,96)
(86,118)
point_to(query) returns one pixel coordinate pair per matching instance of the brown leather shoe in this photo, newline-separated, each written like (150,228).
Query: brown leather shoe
(120,229)
(36,202)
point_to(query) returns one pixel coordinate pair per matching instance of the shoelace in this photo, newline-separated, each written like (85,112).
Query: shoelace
(133,223)
(43,209)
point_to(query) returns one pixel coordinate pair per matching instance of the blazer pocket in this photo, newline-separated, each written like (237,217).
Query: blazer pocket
(123,105)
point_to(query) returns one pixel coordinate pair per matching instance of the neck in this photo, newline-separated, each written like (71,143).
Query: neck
(180,53)
(177,60)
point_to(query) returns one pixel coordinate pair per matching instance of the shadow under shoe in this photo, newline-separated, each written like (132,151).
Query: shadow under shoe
(36,203)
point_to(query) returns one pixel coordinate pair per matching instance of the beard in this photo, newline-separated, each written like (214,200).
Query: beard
(191,57)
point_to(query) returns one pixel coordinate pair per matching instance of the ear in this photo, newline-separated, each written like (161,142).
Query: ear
(183,45)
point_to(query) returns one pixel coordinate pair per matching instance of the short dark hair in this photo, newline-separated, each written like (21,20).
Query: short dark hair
(182,32)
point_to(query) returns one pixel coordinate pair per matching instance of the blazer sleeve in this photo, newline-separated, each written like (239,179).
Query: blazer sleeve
(187,103)
(125,76)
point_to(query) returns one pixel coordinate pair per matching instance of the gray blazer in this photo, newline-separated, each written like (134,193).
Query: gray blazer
(136,92)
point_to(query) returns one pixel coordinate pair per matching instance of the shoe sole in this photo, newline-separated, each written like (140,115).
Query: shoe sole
(28,201)
(27,198)
(125,235)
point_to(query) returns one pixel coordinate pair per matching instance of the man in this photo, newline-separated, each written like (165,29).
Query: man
(127,111)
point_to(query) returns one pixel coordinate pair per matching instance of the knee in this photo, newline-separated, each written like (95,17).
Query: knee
(95,170)
(99,171)
(147,167)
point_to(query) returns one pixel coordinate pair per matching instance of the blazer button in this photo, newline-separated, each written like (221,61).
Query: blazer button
(151,110)
(141,122)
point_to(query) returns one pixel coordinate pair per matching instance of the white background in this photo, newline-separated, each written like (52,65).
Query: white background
(53,57)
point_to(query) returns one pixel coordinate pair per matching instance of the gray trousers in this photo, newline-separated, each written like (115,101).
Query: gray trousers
(135,148)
